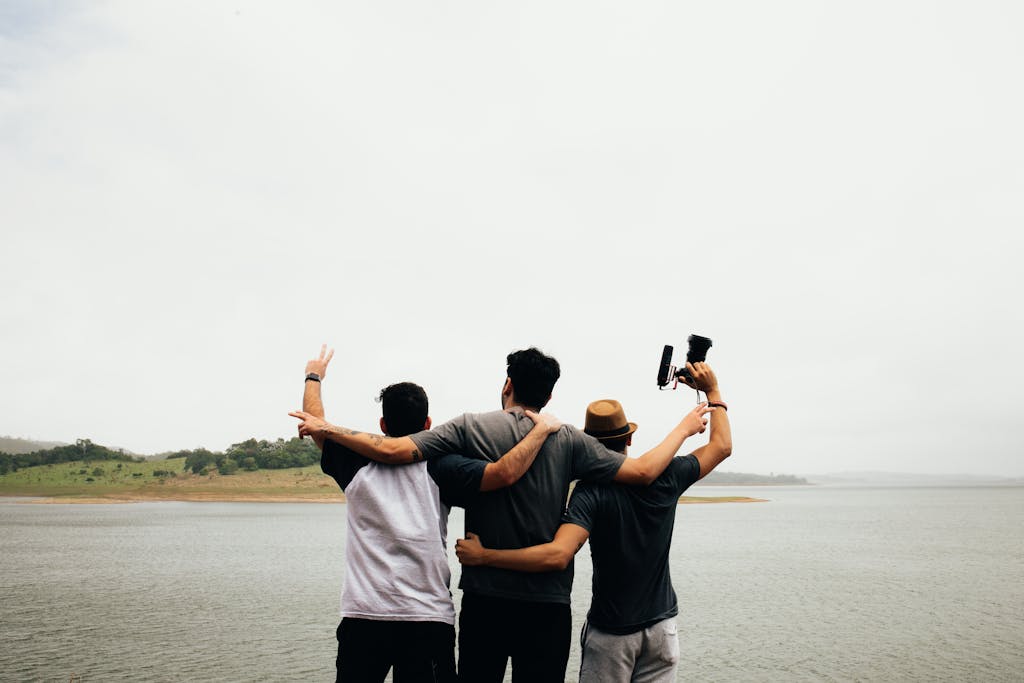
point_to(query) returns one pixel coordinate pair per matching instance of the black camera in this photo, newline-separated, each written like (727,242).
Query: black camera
(697,352)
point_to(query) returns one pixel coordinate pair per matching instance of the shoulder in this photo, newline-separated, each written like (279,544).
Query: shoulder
(681,472)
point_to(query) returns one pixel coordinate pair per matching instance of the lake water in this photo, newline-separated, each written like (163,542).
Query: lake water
(819,584)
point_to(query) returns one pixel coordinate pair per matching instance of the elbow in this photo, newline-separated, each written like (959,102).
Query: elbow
(496,477)
(726,448)
(645,475)
(505,478)
(636,472)
(557,561)
(390,453)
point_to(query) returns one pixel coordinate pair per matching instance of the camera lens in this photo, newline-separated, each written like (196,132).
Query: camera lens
(698,350)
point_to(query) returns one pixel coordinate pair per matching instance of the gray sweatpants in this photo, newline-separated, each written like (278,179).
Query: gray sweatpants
(648,656)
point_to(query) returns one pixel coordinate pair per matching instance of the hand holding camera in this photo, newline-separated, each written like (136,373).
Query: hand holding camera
(701,377)
(696,353)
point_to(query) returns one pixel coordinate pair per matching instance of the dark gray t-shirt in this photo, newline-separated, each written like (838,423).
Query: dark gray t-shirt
(525,514)
(630,535)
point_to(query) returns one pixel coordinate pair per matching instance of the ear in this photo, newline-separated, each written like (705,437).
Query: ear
(426,425)
(383,426)
(507,389)
(629,440)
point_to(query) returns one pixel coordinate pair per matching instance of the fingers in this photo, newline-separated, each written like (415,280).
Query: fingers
(301,415)
(470,534)
(330,355)
(532,415)
(323,350)
(553,423)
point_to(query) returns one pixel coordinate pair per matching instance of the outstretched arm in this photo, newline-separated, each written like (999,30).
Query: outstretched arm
(390,450)
(545,557)
(650,465)
(504,471)
(719,446)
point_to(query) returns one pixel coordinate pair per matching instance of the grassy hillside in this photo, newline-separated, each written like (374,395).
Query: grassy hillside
(166,480)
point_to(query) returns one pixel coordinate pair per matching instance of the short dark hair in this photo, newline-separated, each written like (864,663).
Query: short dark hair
(533,376)
(404,407)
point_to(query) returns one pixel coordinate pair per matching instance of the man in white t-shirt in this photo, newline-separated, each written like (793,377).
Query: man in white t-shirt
(396,606)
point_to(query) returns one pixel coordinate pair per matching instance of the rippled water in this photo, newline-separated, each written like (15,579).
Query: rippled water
(820,583)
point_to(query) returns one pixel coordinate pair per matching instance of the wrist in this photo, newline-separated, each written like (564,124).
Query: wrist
(313,377)
(713,394)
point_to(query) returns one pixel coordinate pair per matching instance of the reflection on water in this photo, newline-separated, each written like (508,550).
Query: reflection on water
(820,583)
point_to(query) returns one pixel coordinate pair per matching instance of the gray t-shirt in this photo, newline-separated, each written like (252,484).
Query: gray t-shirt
(630,536)
(525,514)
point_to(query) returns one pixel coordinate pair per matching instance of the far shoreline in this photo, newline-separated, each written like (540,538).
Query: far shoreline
(220,497)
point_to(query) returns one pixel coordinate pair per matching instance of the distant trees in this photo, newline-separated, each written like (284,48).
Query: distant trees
(253,454)
(250,455)
(83,449)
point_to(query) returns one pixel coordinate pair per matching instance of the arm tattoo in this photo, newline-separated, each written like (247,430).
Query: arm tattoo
(416,455)
(377,439)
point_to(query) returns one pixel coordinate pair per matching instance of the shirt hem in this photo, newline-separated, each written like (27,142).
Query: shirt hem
(632,628)
(522,597)
(400,617)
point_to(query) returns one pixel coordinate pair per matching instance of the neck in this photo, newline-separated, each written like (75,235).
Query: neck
(511,403)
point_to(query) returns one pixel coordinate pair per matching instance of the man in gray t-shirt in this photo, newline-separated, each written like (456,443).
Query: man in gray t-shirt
(509,614)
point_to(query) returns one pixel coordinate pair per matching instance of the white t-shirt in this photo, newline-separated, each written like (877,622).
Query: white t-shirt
(396,563)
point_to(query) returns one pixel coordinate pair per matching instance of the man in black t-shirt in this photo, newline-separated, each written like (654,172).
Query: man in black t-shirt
(630,632)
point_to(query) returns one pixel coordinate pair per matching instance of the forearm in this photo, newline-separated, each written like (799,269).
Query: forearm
(721,431)
(385,449)
(651,464)
(312,403)
(539,558)
(508,469)
(719,446)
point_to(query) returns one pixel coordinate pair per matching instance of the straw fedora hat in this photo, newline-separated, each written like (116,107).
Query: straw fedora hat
(606,420)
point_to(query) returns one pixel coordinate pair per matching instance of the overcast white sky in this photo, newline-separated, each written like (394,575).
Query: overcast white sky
(195,195)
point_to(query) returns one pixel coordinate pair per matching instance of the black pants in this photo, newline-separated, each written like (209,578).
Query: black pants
(536,635)
(419,651)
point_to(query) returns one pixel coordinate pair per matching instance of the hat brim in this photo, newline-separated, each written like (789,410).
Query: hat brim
(613,437)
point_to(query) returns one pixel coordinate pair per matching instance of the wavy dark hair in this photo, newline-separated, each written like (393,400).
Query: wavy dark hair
(533,376)
(405,408)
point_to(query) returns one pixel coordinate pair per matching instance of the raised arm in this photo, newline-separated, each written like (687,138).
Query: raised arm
(545,557)
(719,446)
(312,402)
(650,465)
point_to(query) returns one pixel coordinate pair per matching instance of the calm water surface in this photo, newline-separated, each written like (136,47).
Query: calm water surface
(820,583)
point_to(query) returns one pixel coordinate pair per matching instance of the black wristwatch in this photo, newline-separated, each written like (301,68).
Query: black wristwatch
(313,376)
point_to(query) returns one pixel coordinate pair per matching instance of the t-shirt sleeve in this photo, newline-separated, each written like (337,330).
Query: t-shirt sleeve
(458,478)
(685,472)
(341,463)
(582,506)
(444,439)
(591,461)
